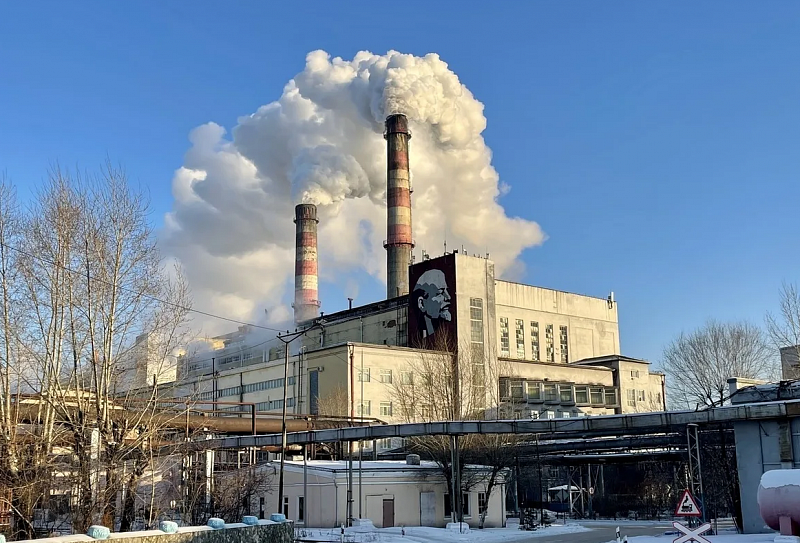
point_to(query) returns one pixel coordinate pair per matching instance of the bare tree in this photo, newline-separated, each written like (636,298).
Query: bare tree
(784,330)
(85,297)
(447,383)
(698,364)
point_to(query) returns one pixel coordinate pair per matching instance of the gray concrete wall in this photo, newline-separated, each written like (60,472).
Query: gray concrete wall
(266,532)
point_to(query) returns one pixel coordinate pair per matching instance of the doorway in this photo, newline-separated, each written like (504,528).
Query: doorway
(388,513)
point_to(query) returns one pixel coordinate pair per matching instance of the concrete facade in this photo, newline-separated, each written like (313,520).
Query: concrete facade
(534,340)
(414,494)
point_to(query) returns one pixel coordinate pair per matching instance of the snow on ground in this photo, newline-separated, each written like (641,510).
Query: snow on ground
(424,534)
(752,538)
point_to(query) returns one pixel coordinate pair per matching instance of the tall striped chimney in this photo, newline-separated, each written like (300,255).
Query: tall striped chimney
(398,202)
(306,294)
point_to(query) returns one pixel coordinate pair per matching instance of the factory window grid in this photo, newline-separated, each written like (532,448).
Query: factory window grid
(286,506)
(550,392)
(565,393)
(301,509)
(582,394)
(564,340)
(482,504)
(640,395)
(517,390)
(549,414)
(386,409)
(386,376)
(406,378)
(634,374)
(364,408)
(363,375)
(596,396)
(564,414)
(519,330)
(505,341)
(611,397)
(533,391)
(476,320)
(549,343)
(631,397)
(534,340)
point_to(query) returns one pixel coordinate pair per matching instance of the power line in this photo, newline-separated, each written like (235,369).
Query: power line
(109,283)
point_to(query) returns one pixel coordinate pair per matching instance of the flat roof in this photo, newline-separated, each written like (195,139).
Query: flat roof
(552,289)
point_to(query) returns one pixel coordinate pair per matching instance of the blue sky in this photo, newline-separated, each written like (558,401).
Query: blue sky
(656,143)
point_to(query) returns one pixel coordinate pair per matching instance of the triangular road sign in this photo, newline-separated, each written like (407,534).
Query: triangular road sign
(687,506)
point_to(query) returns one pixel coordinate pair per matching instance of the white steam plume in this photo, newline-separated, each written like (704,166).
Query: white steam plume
(321,142)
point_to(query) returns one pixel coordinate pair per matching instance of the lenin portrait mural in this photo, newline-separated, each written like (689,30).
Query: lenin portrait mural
(432,304)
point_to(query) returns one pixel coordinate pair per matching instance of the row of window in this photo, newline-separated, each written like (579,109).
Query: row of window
(386,376)
(519,337)
(246,389)
(364,408)
(635,397)
(518,390)
(261,406)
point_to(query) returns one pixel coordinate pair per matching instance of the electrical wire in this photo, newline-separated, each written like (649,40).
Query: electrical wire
(109,283)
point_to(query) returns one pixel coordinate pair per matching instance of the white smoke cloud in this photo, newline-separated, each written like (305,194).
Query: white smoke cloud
(321,142)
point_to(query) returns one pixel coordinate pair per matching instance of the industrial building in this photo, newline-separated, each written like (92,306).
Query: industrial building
(391,493)
(530,352)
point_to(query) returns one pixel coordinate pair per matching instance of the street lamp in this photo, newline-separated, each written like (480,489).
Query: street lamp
(287,338)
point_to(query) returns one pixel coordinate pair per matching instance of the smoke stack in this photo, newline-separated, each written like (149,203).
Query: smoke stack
(306,283)
(398,202)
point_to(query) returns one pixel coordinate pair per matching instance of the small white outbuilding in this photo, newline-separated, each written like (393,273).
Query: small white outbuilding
(392,493)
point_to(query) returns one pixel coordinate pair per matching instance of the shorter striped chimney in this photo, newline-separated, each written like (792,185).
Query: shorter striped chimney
(306,282)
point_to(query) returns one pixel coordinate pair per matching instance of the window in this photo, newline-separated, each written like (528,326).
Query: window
(634,374)
(505,347)
(286,506)
(565,414)
(550,392)
(564,340)
(549,414)
(363,375)
(611,397)
(301,509)
(406,378)
(464,505)
(658,398)
(261,510)
(516,391)
(534,340)
(520,337)
(596,395)
(385,443)
(482,504)
(535,415)
(505,389)
(425,412)
(640,395)
(549,345)
(565,393)
(476,320)
(581,394)
(534,391)
(631,396)
(386,376)
(386,409)
(363,408)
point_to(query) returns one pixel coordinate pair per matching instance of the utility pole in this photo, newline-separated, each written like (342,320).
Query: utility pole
(286,339)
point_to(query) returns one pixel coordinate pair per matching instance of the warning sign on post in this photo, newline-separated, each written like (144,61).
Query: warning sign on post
(687,506)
